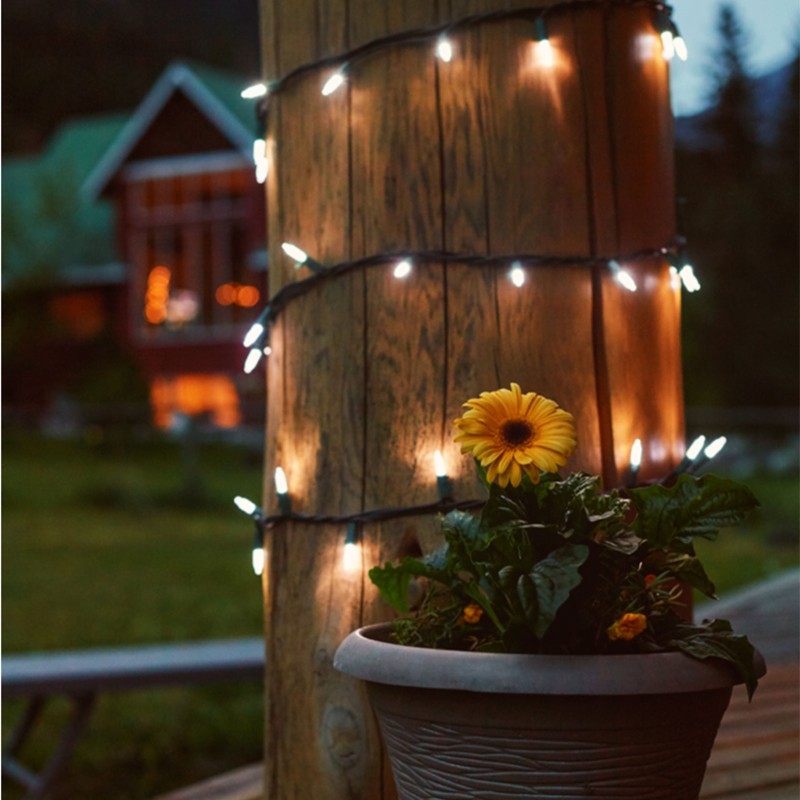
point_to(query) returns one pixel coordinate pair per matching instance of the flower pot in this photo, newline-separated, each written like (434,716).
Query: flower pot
(463,725)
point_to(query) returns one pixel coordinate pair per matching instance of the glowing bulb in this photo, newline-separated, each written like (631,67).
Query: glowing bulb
(402,270)
(667,45)
(259,557)
(438,464)
(333,83)
(681,50)
(256,90)
(695,448)
(251,362)
(253,335)
(352,547)
(259,150)
(293,251)
(715,446)
(352,556)
(622,276)
(267,351)
(689,279)
(517,274)
(543,52)
(245,505)
(281,486)
(262,170)
(444,49)
(636,455)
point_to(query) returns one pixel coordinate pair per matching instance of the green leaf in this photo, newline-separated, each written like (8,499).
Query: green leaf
(691,507)
(392,580)
(688,568)
(555,577)
(528,599)
(716,640)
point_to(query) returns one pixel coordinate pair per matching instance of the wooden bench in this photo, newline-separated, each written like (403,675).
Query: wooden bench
(82,675)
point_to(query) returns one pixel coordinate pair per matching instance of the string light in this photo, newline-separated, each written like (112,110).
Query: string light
(260,160)
(688,278)
(442,480)
(254,91)
(258,555)
(301,258)
(252,359)
(402,269)
(542,47)
(444,49)
(635,459)
(622,276)
(517,274)
(282,490)
(352,547)
(334,82)
(695,448)
(715,447)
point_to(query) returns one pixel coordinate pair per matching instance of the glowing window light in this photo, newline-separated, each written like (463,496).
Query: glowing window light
(517,274)
(251,362)
(444,50)
(333,83)
(402,269)
(688,278)
(715,447)
(253,91)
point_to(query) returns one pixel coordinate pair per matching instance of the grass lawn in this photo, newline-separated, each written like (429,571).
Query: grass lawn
(104,545)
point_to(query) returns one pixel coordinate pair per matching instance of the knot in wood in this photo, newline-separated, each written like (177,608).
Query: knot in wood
(342,736)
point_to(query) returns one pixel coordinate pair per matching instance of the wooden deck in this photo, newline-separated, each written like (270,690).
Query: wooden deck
(757,752)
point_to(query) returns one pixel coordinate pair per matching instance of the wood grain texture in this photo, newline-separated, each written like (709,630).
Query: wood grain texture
(487,154)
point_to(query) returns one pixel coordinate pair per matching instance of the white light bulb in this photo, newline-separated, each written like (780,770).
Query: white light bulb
(293,251)
(402,269)
(438,464)
(251,337)
(251,362)
(689,279)
(444,49)
(715,446)
(267,351)
(256,90)
(543,51)
(333,83)
(668,45)
(245,505)
(517,274)
(623,277)
(636,454)
(259,560)
(262,170)
(281,486)
(695,448)
(352,556)
(259,150)
(681,50)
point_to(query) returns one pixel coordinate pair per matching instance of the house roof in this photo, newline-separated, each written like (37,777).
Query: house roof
(46,225)
(216,93)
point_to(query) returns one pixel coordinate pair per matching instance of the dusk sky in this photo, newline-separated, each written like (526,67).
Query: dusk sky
(772,28)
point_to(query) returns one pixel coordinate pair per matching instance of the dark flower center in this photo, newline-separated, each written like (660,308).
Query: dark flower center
(516,431)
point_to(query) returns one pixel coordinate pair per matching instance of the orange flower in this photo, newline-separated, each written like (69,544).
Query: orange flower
(472,614)
(627,627)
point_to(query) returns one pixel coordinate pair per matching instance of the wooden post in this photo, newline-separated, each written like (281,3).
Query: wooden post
(487,154)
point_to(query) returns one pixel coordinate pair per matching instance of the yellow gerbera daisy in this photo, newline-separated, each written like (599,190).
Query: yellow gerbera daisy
(509,433)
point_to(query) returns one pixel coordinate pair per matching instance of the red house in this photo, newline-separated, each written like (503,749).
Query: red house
(190,222)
